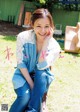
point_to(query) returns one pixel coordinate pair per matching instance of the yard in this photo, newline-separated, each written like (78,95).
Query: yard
(64,92)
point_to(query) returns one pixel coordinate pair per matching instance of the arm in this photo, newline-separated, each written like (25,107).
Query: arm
(21,64)
(49,53)
(26,75)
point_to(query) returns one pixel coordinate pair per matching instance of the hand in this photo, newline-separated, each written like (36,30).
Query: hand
(50,33)
(48,36)
(31,85)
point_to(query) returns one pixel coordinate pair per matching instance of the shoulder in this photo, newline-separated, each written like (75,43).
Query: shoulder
(53,42)
(26,36)
(24,33)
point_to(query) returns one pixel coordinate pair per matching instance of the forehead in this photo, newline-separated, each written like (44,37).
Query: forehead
(41,21)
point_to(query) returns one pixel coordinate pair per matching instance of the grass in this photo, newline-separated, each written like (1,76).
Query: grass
(64,92)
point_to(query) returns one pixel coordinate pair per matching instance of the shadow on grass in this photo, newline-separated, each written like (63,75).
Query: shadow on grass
(60,40)
(10,38)
(74,54)
(61,45)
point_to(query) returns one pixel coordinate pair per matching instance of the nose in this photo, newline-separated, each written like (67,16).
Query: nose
(42,30)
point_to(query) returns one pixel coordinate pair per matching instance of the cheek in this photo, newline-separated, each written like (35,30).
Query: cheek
(47,30)
(36,30)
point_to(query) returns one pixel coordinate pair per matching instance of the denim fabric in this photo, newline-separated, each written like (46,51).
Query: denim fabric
(42,80)
(32,99)
(27,56)
(23,97)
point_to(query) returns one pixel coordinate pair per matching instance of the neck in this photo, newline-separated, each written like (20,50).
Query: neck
(39,41)
(39,45)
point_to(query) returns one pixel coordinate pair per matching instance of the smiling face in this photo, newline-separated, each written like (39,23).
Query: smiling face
(42,23)
(41,27)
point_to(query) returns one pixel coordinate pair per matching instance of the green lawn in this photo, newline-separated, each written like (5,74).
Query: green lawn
(64,92)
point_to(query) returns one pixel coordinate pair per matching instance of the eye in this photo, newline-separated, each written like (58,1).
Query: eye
(46,26)
(38,26)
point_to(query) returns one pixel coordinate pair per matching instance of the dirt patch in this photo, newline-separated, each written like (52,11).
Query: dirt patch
(7,28)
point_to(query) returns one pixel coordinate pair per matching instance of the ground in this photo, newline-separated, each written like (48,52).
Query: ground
(64,92)
(7,28)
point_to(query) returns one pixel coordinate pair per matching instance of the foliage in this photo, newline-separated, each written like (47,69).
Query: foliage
(43,1)
(65,4)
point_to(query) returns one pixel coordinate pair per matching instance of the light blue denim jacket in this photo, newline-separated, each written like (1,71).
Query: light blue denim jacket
(27,55)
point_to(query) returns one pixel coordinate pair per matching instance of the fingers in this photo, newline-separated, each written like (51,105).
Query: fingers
(50,32)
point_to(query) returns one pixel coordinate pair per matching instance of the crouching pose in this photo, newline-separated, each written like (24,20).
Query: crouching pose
(36,52)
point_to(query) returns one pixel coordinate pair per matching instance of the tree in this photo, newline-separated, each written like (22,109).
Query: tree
(45,4)
(66,4)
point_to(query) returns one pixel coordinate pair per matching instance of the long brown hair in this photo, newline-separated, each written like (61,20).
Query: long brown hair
(42,13)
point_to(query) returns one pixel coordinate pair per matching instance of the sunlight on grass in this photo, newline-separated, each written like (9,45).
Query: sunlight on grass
(64,92)
(9,38)
(7,67)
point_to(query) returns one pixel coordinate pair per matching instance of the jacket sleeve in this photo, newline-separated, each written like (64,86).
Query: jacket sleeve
(19,52)
(49,53)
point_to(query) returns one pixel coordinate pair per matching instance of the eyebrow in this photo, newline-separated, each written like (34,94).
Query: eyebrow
(45,24)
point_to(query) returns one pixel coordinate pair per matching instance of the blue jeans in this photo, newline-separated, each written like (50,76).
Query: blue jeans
(42,80)
(32,99)
(23,97)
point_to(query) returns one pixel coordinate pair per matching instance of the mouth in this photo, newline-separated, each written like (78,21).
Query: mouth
(42,34)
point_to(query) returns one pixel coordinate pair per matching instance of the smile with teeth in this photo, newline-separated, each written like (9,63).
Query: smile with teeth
(42,34)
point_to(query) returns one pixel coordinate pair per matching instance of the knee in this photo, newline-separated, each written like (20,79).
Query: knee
(24,99)
(44,77)
(40,77)
(39,72)
(20,103)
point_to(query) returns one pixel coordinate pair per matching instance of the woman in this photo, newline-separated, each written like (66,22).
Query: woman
(36,52)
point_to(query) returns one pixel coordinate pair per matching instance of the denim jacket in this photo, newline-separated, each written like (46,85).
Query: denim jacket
(27,56)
